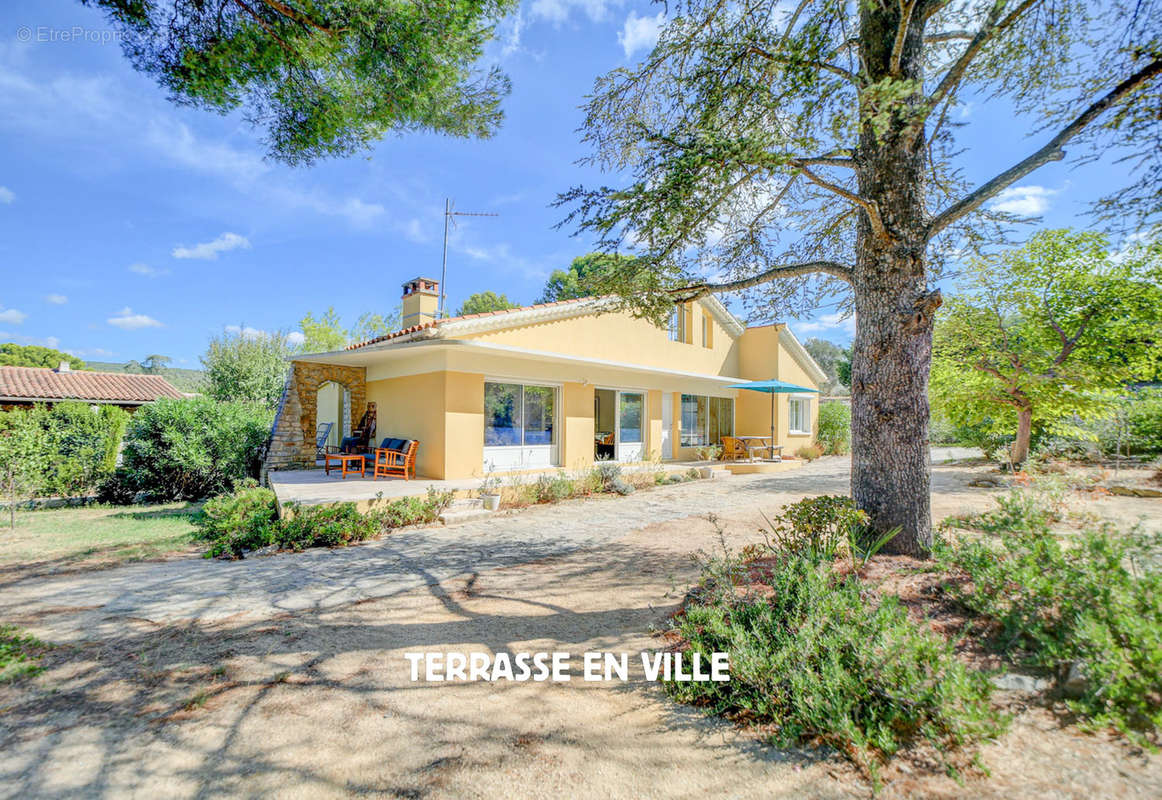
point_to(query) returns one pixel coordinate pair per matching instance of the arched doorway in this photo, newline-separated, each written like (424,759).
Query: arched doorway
(333,405)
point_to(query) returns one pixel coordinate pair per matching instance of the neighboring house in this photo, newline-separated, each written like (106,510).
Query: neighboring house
(21,387)
(555,384)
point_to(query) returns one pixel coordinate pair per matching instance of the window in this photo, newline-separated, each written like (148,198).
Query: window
(678,324)
(705,420)
(630,418)
(707,335)
(516,415)
(799,415)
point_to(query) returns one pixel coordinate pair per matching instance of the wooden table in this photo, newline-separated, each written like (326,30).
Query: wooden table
(761,443)
(344,462)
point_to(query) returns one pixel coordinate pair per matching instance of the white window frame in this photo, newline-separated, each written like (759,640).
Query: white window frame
(507,458)
(805,414)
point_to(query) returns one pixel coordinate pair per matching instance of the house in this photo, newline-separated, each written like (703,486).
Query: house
(554,384)
(21,387)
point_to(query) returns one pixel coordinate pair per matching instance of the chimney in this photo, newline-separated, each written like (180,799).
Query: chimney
(420,301)
(64,367)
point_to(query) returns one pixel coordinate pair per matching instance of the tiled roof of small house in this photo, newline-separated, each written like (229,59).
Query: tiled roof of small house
(29,384)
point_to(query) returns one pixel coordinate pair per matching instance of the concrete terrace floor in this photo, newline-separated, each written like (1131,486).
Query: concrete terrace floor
(314,487)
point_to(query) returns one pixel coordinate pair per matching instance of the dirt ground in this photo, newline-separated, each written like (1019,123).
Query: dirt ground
(319,703)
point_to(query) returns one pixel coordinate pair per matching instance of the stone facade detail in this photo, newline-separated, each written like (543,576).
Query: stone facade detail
(292,439)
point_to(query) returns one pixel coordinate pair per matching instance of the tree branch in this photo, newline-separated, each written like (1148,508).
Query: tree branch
(833,268)
(1052,151)
(290,13)
(824,161)
(840,71)
(906,9)
(992,26)
(947,36)
(869,206)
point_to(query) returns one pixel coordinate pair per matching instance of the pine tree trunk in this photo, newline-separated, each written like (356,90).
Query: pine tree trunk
(890,474)
(1020,450)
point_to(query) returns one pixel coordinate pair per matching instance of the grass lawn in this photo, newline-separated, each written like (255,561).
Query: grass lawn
(95,535)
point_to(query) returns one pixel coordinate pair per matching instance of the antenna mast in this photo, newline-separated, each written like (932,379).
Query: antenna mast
(450,217)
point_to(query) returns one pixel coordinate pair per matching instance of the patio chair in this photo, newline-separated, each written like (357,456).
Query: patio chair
(734,449)
(394,458)
(321,434)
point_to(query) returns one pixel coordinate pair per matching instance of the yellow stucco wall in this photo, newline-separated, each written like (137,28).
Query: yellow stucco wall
(444,410)
(576,418)
(622,338)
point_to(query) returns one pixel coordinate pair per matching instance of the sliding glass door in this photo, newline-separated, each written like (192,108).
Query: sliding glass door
(631,422)
(520,430)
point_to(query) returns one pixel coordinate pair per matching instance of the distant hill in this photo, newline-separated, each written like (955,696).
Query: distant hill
(185,380)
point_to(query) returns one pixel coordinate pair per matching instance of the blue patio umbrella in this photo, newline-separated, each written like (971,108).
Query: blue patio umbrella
(772,387)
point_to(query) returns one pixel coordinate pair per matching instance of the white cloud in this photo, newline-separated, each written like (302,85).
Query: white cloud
(46,341)
(294,338)
(1027,201)
(208,251)
(98,352)
(12,316)
(56,299)
(6,195)
(829,325)
(510,33)
(558,11)
(144,269)
(126,320)
(640,33)
(178,143)
(246,331)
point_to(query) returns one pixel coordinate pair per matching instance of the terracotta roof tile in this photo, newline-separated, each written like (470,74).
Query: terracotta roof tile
(37,383)
(435,323)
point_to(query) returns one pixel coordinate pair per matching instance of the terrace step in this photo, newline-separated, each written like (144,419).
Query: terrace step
(463,510)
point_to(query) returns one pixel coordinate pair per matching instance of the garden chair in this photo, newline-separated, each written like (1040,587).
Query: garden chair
(394,458)
(734,449)
(321,434)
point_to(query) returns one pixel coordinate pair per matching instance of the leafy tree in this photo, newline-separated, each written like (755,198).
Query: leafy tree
(324,334)
(324,77)
(1049,332)
(31,355)
(583,276)
(828,356)
(155,364)
(843,368)
(247,367)
(370,325)
(486,301)
(808,151)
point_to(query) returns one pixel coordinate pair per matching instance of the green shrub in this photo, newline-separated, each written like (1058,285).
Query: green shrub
(328,526)
(809,452)
(553,488)
(819,663)
(246,519)
(983,436)
(77,446)
(1096,603)
(194,447)
(834,428)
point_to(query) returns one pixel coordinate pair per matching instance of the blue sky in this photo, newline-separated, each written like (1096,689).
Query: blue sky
(129,226)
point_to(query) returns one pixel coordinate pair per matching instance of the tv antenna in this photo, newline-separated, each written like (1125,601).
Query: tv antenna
(450,217)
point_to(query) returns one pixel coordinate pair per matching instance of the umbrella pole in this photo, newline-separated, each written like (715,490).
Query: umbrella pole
(771,449)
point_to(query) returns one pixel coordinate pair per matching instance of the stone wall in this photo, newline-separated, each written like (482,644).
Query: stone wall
(292,441)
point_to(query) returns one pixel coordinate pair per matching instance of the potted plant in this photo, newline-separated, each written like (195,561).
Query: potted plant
(490,489)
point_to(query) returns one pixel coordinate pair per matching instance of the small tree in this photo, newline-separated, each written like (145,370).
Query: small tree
(828,356)
(1048,332)
(482,302)
(370,325)
(247,366)
(583,273)
(324,334)
(156,364)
